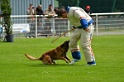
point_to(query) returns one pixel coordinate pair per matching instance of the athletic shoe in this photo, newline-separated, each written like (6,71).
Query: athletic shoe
(91,63)
(74,61)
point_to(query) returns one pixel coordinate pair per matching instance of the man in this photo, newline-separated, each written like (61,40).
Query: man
(39,10)
(88,10)
(50,11)
(30,10)
(83,32)
(49,25)
(30,20)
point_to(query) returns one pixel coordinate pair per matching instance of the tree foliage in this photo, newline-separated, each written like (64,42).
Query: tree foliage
(6,13)
(97,6)
(67,2)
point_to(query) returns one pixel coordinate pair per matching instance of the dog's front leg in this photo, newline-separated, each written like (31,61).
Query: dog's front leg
(67,58)
(63,58)
(53,62)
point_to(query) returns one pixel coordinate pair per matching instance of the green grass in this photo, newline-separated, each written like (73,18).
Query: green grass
(15,67)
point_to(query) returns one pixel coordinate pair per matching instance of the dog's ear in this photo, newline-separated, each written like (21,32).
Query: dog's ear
(65,44)
(67,41)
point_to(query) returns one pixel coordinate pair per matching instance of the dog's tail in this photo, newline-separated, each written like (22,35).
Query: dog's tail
(31,57)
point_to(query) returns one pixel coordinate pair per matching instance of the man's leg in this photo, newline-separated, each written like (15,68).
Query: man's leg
(86,38)
(75,51)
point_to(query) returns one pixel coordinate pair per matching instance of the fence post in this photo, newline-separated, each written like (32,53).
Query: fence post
(53,26)
(35,26)
(68,27)
(96,24)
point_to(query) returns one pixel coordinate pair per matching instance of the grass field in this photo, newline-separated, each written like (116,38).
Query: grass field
(15,67)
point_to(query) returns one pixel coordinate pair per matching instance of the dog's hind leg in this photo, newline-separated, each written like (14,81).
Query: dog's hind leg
(47,60)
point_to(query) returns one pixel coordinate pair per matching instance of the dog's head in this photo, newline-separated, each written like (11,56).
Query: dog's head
(65,44)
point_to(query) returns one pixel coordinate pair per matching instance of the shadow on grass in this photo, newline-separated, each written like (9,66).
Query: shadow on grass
(53,65)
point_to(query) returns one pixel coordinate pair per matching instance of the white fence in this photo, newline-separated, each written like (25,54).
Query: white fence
(105,24)
(40,25)
(108,23)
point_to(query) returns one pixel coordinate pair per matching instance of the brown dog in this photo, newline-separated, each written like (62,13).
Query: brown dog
(58,53)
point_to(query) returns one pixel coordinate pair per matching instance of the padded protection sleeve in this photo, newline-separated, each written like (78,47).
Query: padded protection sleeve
(84,23)
(91,21)
(76,55)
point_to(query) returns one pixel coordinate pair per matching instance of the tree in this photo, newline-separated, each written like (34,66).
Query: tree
(67,2)
(97,6)
(6,14)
